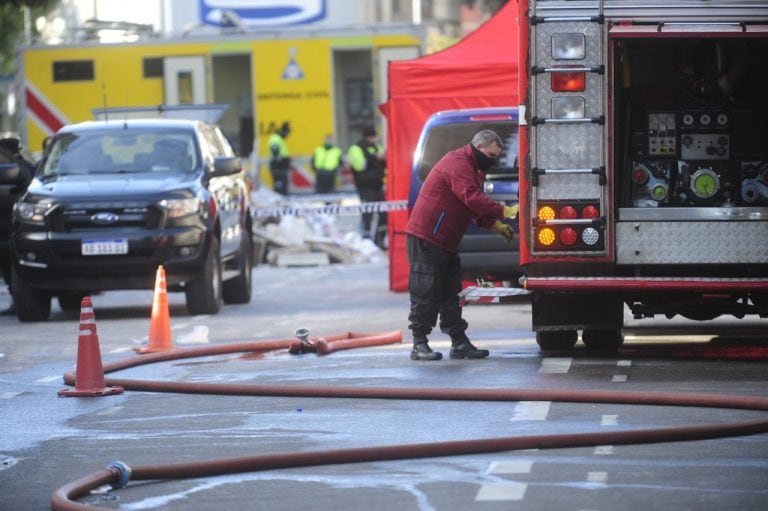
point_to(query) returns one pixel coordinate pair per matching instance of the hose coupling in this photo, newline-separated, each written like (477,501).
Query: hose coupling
(122,474)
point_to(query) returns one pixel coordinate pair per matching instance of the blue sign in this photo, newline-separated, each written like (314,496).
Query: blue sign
(261,13)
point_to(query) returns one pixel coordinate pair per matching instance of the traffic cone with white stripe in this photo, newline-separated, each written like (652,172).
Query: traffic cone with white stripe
(159,338)
(89,376)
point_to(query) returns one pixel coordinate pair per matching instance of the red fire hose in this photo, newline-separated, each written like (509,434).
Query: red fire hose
(118,474)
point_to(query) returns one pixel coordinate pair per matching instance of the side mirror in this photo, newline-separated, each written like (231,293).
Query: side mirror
(226,166)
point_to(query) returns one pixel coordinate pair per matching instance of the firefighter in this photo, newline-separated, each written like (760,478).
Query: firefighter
(280,160)
(368,162)
(326,161)
(450,197)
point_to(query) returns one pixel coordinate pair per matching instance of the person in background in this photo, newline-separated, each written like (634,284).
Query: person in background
(326,161)
(451,196)
(12,147)
(367,159)
(279,158)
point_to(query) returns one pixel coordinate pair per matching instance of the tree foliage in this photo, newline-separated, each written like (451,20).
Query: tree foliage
(12,27)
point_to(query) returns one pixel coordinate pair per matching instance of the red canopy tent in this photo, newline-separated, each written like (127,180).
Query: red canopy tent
(479,71)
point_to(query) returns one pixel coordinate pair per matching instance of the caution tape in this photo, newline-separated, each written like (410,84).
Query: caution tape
(331,209)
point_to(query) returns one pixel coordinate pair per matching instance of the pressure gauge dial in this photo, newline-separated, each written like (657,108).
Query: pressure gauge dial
(687,119)
(705,183)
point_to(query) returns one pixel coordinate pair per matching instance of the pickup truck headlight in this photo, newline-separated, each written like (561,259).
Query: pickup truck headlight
(33,213)
(178,208)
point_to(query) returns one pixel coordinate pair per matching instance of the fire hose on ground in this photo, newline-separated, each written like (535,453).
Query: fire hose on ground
(119,474)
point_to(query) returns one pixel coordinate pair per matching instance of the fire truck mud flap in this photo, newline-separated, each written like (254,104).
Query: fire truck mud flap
(557,318)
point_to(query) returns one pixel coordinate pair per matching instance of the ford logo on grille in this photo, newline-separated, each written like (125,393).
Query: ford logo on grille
(104,218)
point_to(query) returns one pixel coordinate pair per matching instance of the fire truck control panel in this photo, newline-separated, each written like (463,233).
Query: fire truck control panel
(699,158)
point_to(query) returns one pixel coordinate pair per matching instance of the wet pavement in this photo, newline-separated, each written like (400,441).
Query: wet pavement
(50,440)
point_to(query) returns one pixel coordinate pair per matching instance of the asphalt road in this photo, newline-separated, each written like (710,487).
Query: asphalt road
(49,441)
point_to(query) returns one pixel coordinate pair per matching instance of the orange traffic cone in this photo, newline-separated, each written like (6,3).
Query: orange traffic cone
(160,325)
(89,377)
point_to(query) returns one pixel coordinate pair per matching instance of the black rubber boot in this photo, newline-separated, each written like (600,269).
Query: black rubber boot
(462,348)
(422,351)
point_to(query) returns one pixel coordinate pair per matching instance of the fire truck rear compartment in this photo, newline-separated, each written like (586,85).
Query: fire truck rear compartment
(687,203)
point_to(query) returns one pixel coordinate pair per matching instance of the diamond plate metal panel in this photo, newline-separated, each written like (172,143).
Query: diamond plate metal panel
(592,94)
(691,242)
(569,186)
(544,33)
(568,146)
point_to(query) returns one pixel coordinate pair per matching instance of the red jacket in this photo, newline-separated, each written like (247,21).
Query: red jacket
(450,197)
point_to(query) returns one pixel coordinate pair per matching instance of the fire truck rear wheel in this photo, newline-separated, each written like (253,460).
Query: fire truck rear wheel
(556,340)
(602,340)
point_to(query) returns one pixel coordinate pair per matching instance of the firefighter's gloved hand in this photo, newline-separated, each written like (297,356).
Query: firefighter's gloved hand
(511,211)
(505,230)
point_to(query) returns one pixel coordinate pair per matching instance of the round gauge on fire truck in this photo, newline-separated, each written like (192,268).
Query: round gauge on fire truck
(688,119)
(705,119)
(705,183)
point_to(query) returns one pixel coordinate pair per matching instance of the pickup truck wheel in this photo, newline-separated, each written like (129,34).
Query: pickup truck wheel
(238,290)
(70,301)
(31,304)
(556,340)
(602,340)
(204,291)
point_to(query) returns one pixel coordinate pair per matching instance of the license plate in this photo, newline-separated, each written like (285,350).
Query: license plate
(104,247)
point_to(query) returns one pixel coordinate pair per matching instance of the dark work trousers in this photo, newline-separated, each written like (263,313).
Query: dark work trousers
(434,283)
(325,181)
(374,224)
(280,177)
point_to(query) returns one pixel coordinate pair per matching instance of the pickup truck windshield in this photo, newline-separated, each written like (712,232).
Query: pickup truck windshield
(121,151)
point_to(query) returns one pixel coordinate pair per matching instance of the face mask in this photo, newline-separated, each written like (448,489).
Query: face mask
(483,162)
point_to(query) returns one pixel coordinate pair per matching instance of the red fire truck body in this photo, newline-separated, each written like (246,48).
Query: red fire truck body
(644,163)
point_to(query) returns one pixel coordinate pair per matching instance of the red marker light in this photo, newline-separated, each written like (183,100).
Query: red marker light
(569,81)
(568,236)
(568,213)
(590,212)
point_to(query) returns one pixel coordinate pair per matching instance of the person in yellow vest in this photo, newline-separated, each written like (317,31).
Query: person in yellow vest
(326,161)
(279,158)
(367,159)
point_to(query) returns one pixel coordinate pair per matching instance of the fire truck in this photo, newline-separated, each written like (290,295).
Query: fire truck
(644,163)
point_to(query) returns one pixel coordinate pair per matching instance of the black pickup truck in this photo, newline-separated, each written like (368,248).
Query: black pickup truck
(111,201)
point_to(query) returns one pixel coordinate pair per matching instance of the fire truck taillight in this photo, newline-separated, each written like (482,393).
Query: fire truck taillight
(572,81)
(568,107)
(569,226)
(590,236)
(590,212)
(571,46)
(546,236)
(568,212)
(546,213)
(569,236)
